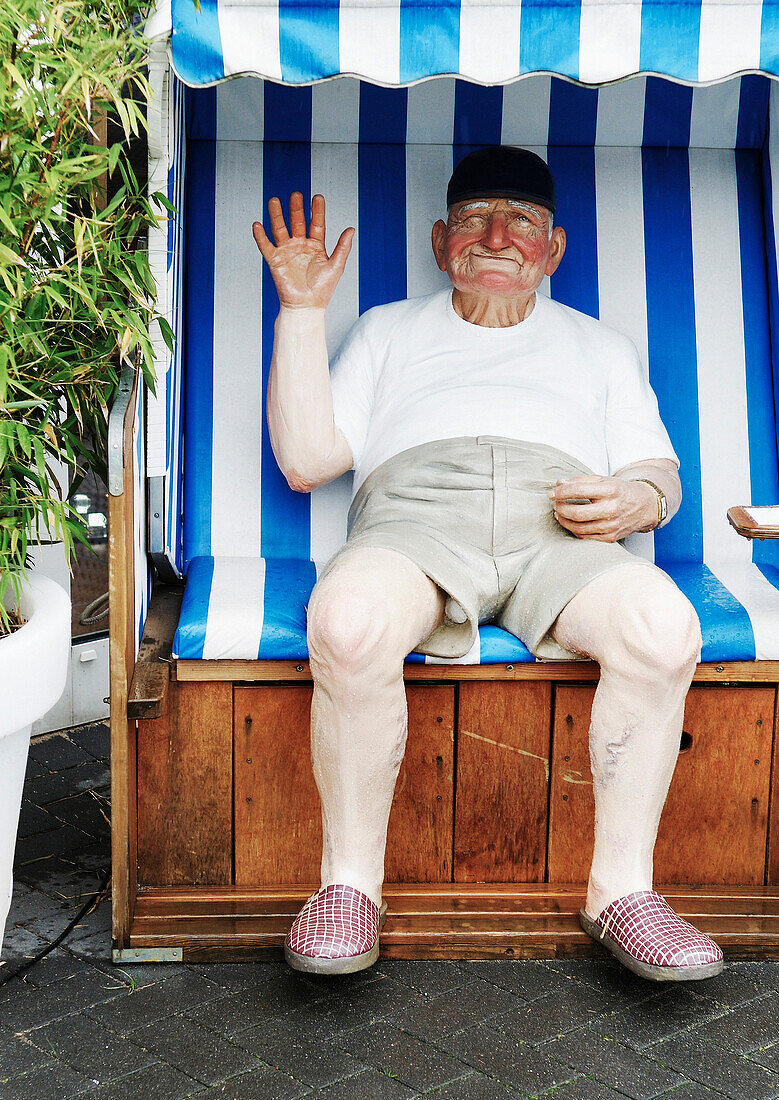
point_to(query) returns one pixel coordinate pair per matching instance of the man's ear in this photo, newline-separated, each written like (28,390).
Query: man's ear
(439,244)
(556,249)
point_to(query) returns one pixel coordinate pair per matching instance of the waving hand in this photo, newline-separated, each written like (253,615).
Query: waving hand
(305,276)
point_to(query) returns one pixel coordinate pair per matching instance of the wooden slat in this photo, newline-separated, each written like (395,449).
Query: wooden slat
(281,671)
(419,834)
(121,653)
(441,899)
(714,822)
(502,781)
(449,921)
(148,689)
(278,825)
(772,845)
(185,788)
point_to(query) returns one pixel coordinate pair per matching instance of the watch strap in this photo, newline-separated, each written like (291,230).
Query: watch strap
(662,503)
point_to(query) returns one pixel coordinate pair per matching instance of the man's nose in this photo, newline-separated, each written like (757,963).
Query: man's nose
(496,235)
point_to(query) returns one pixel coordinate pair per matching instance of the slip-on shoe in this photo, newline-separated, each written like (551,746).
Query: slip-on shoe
(643,932)
(336,932)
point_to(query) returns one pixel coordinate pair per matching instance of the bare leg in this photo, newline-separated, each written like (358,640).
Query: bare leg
(364,617)
(646,637)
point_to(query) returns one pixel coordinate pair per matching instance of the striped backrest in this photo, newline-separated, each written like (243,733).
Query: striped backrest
(662,193)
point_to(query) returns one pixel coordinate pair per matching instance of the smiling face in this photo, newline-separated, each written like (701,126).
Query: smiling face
(497,247)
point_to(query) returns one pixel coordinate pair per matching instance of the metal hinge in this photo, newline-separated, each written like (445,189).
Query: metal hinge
(148,954)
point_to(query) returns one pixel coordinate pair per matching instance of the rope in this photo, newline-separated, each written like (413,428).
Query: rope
(87,619)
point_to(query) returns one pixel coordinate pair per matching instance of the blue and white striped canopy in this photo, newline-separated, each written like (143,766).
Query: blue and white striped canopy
(396,42)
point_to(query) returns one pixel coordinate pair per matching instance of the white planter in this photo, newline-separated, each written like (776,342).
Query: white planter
(33,672)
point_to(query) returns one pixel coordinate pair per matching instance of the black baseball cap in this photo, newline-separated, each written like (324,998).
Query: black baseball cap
(502,171)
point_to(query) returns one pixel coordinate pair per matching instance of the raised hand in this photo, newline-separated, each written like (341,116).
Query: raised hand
(305,276)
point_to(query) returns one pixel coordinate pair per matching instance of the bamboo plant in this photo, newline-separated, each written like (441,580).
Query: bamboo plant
(77,299)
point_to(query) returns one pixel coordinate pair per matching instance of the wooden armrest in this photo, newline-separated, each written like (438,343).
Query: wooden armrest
(148,694)
(747,525)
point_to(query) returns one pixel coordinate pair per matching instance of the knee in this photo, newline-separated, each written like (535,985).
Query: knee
(655,632)
(348,632)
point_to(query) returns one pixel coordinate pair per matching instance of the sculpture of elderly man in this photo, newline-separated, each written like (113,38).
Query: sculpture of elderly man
(503,446)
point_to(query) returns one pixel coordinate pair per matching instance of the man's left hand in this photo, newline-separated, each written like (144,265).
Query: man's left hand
(619,507)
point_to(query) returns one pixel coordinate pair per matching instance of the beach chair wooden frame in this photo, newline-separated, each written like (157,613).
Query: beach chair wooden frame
(215,813)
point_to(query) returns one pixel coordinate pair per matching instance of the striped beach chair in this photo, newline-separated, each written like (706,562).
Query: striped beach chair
(669,193)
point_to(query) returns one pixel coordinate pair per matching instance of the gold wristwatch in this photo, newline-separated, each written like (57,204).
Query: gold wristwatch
(662,503)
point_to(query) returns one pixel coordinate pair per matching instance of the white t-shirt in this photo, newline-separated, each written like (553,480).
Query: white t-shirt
(414,371)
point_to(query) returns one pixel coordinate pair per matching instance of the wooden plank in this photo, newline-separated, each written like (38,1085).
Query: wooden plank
(149,684)
(452,929)
(503,749)
(714,822)
(450,921)
(442,899)
(229,952)
(419,834)
(772,846)
(121,654)
(278,825)
(185,788)
(291,671)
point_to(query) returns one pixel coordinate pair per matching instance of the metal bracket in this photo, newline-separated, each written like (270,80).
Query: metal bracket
(116,432)
(148,954)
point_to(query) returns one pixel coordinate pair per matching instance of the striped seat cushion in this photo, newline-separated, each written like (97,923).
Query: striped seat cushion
(255,608)
(662,193)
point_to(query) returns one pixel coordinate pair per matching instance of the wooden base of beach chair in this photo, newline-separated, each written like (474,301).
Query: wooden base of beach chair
(217,836)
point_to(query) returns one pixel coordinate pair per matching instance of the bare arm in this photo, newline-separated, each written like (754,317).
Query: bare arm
(308,447)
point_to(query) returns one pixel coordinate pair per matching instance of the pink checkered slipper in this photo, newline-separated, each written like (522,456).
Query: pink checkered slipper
(643,932)
(336,932)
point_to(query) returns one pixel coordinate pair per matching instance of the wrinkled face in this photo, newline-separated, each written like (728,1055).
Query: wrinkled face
(501,247)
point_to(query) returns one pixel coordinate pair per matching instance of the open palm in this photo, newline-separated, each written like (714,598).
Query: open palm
(305,276)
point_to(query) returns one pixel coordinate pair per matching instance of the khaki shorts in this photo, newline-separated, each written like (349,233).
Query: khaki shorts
(473,513)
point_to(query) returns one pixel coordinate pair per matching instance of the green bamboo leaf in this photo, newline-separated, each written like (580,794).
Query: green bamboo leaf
(168,335)
(23,435)
(3,382)
(163,200)
(53,293)
(113,155)
(11,257)
(4,218)
(14,73)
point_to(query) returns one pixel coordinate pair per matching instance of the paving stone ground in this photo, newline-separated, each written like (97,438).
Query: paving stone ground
(77,1025)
